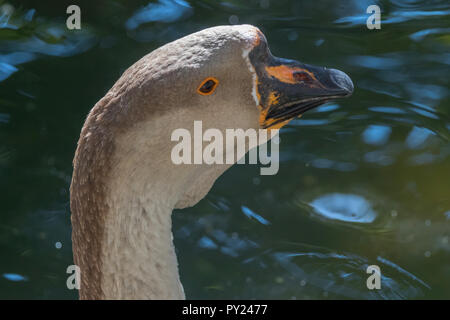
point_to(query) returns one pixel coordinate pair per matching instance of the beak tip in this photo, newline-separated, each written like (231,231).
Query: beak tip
(342,80)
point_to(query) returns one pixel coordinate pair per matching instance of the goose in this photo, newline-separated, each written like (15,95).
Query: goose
(124,184)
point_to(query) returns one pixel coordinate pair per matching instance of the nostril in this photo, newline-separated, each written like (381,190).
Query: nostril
(342,80)
(301,76)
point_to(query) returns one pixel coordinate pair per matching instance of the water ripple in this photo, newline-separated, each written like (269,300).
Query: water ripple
(345,275)
(395,17)
(14,277)
(251,214)
(164,11)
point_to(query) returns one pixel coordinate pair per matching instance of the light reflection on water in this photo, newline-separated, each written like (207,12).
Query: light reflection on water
(47,38)
(376,134)
(344,207)
(362,181)
(164,11)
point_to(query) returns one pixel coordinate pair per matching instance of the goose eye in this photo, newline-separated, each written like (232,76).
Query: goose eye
(208,86)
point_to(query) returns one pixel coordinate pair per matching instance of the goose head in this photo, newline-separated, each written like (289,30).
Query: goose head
(124,184)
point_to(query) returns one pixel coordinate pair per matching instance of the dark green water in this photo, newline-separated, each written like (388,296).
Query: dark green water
(363,181)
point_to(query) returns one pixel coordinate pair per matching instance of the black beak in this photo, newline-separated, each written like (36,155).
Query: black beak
(288,88)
